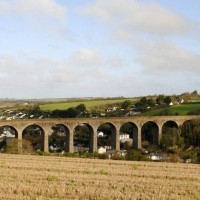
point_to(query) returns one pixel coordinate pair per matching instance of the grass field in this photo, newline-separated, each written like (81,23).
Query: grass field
(33,177)
(89,104)
(181,109)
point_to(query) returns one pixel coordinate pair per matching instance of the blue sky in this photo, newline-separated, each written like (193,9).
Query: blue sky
(98,48)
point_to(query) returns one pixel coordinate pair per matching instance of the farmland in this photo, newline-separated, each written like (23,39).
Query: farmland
(88,103)
(35,177)
(182,109)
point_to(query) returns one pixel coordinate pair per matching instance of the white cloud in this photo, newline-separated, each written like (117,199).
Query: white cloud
(168,57)
(86,57)
(147,28)
(33,8)
(135,16)
(125,48)
(84,63)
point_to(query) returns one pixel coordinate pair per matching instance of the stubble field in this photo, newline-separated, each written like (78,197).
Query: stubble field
(34,177)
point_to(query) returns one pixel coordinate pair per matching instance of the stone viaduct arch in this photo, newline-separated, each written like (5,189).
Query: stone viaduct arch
(94,124)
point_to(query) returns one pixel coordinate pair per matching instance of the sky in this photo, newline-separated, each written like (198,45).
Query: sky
(98,48)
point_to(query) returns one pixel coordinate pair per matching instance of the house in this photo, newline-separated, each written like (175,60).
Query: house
(22,116)
(108,148)
(111,109)
(181,101)
(124,136)
(100,134)
(101,150)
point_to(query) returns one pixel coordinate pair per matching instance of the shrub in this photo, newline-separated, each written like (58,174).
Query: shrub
(12,146)
(192,155)
(71,155)
(42,153)
(117,156)
(103,156)
(16,146)
(173,158)
(133,155)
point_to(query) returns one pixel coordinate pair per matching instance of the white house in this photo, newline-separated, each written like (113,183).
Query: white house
(100,134)
(101,150)
(124,136)
(182,101)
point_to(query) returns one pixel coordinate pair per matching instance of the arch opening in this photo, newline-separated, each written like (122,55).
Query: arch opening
(59,139)
(7,133)
(150,135)
(190,132)
(33,135)
(170,136)
(128,136)
(83,138)
(168,126)
(106,137)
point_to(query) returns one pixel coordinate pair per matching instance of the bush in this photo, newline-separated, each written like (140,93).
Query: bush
(42,153)
(12,146)
(173,158)
(133,155)
(27,147)
(71,155)
(103,156)
(16,146)
(190,155)
(172,150)
(117,156)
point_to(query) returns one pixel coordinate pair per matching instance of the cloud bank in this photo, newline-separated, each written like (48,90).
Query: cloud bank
(97,48)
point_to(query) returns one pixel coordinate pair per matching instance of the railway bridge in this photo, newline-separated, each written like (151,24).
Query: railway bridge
(137,122)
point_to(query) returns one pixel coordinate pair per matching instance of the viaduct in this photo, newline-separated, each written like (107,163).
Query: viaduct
(93,125)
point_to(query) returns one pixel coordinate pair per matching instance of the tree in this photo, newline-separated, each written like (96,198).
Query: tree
(160,99)
(135,155)
(194,92)
(143,100)
(72,112)
(167,100)
(57,140)
(171,138)
(82,135)
(35,135)
(126,104)
(81,108)
(59,113)
(150,102)
(191,132)
(69,113)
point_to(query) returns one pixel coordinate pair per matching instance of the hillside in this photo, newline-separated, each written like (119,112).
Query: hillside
(181,109)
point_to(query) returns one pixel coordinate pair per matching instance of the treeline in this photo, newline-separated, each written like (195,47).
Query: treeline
(72,112)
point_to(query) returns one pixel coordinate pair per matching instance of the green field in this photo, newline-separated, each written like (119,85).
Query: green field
(90,104)
(182,109)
